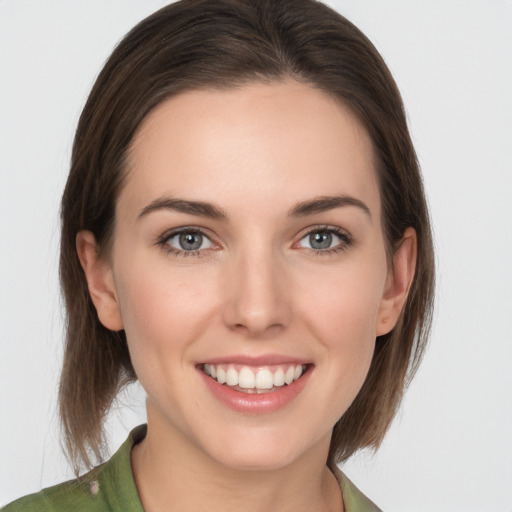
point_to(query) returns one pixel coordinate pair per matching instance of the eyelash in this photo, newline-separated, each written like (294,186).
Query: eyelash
(163,242)
(346,241)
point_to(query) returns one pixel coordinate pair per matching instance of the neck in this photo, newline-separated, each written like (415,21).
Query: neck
(172,474)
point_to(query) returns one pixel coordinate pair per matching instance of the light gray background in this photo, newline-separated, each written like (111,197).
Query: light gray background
(450,448)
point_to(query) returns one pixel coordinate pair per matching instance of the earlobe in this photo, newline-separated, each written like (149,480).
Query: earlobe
(100,281)
(398,283)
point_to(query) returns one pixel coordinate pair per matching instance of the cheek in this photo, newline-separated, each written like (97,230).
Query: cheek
(162,311)
(344,304)
(342,310)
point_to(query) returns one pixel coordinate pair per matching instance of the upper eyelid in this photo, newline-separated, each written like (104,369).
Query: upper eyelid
(343,234)
(332,229)
(163,242)
(345,241)
(206,232)
(184,229)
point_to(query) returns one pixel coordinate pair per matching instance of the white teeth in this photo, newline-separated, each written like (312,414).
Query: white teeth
(232,377)
(264,379)
(288,377)
(279,377)
(257,380)
(246,378)
(221,376)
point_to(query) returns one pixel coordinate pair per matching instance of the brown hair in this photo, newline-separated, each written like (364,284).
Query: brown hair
(194,44)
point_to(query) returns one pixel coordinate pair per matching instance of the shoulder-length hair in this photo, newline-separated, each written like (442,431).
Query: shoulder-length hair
(198,44)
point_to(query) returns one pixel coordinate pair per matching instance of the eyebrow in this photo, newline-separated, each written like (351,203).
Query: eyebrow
(198,208)
(325,203)
(302,209)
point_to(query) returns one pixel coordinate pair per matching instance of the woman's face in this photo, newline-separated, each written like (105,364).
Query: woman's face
(248,244)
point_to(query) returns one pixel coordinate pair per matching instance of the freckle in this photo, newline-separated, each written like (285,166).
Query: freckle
(94,487)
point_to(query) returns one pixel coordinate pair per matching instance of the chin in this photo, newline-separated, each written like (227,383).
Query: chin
(267,451)
(257,460)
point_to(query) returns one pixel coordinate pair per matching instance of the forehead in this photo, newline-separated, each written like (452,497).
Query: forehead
(255,141)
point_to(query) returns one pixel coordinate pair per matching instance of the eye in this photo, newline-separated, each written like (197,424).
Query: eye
(325,240)
(187,241)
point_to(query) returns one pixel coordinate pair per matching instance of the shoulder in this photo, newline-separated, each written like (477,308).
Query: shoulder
(72,496)
(108,487)
(354,499)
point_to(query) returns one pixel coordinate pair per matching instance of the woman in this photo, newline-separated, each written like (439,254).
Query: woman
(244,231)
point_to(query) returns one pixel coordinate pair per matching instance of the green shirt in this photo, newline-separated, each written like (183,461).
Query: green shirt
(111,488)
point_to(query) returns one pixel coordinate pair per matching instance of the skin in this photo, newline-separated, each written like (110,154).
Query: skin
(254,288)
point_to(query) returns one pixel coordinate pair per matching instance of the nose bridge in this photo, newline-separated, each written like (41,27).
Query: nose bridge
(256,298)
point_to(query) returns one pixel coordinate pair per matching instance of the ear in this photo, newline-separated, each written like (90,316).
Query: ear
(100,281)
(398,282)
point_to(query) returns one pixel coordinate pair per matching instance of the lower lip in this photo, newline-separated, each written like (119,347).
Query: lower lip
(253,402)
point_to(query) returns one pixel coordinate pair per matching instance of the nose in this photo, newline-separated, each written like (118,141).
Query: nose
(257,294)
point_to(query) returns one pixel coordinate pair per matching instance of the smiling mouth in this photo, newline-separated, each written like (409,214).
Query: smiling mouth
(247,379)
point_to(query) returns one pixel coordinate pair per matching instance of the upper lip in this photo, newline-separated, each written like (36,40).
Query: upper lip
(261,360)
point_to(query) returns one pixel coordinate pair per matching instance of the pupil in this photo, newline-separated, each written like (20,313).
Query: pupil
(321,240)
(191,241)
